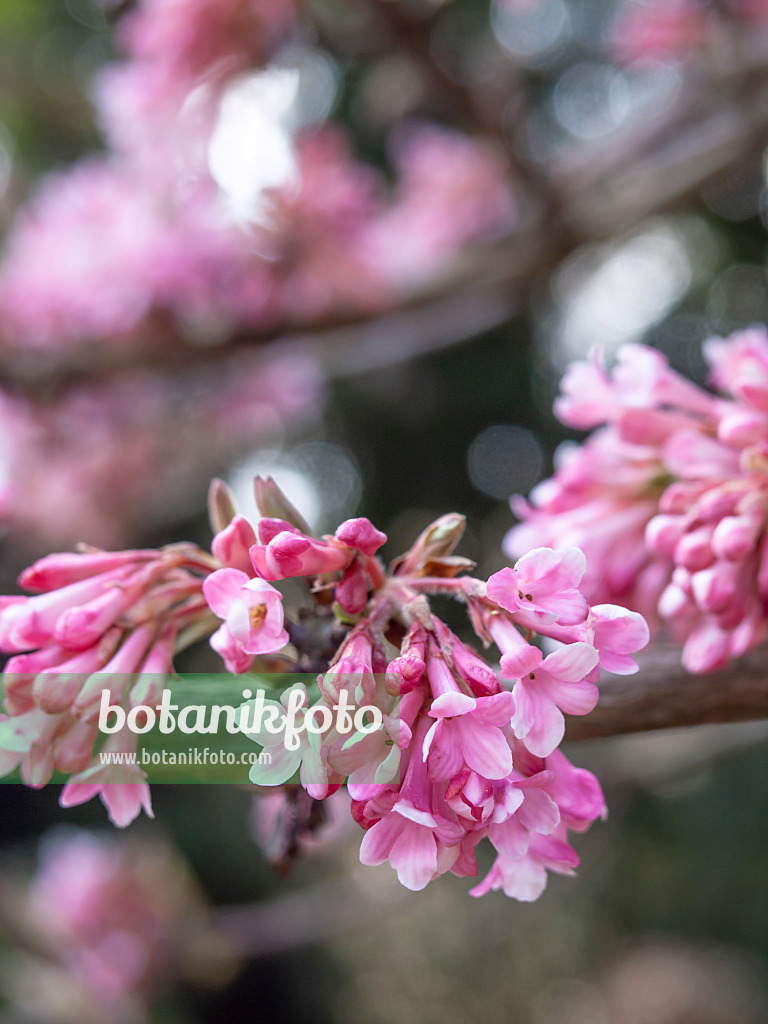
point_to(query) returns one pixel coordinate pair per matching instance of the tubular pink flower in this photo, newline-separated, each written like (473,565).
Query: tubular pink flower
(477,758)
(123,799)
(414,836)
(470,667)
(55,689)
(113,675)
(352,590)
(56,571)
(33,622)
(525,879)
(148,688)
(576,792)
(683,514)
(468,730)
(410,665)
(532,810)
(518,657)
(558,684)
(352,670)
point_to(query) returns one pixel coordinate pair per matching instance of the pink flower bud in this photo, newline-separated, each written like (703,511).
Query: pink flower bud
(706,649)
(735,537)
(478,676)
(232,545)
(693,551)
(20,673)
(352,670)
(741,427)
(148,688)
(362,535)
(663,532)
(715,588)
(352,590)
(114,675)
(59,570)
(270,528)
(673,601)
(73,749)
(55,689)
(80,627)
(31,622)
(290,554)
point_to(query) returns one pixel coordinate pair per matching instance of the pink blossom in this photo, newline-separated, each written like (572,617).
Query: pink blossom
(253,617)
(479,761)
(123,799)
(102,619)
(576,792)
(190,38)
(544,583)
(682,504)
(525,878)
(558,684)
(525,810)
(468,730)
(616,634)
(417,835)
(740,366)
(110,916)
(452,190)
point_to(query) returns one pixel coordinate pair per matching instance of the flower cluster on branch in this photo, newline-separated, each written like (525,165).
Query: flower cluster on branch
(668,498)
(463,752)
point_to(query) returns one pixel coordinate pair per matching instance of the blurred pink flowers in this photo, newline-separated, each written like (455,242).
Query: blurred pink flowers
(669,500)
(107,924)
(141,254)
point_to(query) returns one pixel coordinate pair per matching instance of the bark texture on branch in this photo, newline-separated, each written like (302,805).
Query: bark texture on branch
(664,696)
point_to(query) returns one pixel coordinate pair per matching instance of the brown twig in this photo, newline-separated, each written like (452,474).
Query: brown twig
(664,696)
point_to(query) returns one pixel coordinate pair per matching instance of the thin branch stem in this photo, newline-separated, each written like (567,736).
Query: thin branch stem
(664,696)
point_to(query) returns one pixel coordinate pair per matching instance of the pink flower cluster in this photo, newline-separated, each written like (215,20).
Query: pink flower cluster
(460,755)
(462,752)
(669,499)
(98,620)
(335,242)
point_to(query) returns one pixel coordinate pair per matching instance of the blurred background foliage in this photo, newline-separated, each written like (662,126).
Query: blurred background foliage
(667,922)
